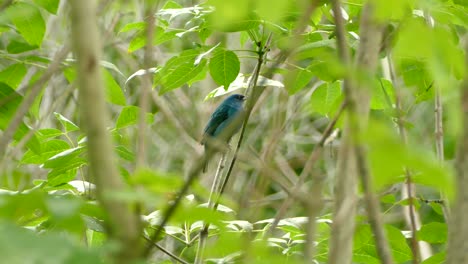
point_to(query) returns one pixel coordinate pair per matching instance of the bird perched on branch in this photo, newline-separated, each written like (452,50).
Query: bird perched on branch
(224,114)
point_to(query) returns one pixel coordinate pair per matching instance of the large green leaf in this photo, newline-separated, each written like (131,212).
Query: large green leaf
(28,21)
(224,67)
(179,70)
(13,74)
(433,233)
(25,246)
(129,116)
(50,5)
(325,97)
(9,102)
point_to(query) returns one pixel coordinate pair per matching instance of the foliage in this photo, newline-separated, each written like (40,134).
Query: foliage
(47,201)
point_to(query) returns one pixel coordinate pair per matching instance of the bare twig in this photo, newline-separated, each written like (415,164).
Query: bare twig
(314,156)
(421,249)
(370,39)
(146,84)
(214,196)
(167,252)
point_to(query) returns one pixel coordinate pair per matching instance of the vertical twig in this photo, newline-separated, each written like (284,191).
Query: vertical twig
(341,241)
(122,223)
(353,151)
(146,84)
(421,249)
(439,125)
(214,196)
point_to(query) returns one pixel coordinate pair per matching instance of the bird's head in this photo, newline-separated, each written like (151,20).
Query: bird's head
(236,97)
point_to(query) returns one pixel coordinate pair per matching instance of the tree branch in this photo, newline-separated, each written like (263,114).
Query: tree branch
(122,223)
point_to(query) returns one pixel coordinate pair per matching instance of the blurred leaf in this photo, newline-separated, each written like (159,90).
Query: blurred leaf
(63,157)
(382,95)
(232,15)
(129,116)
(160,36)
(298,79)
(133,26)
(48,149)
(438,258)
(28,21)
(179,70)
(124,153)
(13,74)
(68,125)
(16,47)
(224,67)
(272,10)
(393,10)
(9,102)
(325,96)
(114,93)
(433,233)
(50,5)
(242,82)
(40,248)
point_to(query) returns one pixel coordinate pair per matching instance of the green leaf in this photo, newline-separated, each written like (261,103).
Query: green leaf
(133,26)
(47,133)
(392,10)
(160,36)
(382,95)
(179,70)
(438,258)
(48,149)
(298,79)
(129,116)
(16,47)
(325,96)
(364,245)
(272,10)
(224,67)
(433,233)
(10,101)
(124,153)
(232,16)
(28,21)
(13,74)
(41,247)
(62,158)
(114,93)
(68,125)
(50,5)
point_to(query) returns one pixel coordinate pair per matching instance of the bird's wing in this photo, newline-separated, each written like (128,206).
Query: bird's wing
(217,118)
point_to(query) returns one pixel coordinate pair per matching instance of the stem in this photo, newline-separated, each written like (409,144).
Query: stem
(123,224)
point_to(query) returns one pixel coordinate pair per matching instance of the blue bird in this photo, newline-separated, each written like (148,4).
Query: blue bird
(224,114)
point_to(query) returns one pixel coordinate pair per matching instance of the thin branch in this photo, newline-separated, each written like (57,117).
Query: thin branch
(214,196)
(309,165)
(167,252)
(146,85)
(408,190)
(367,56)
